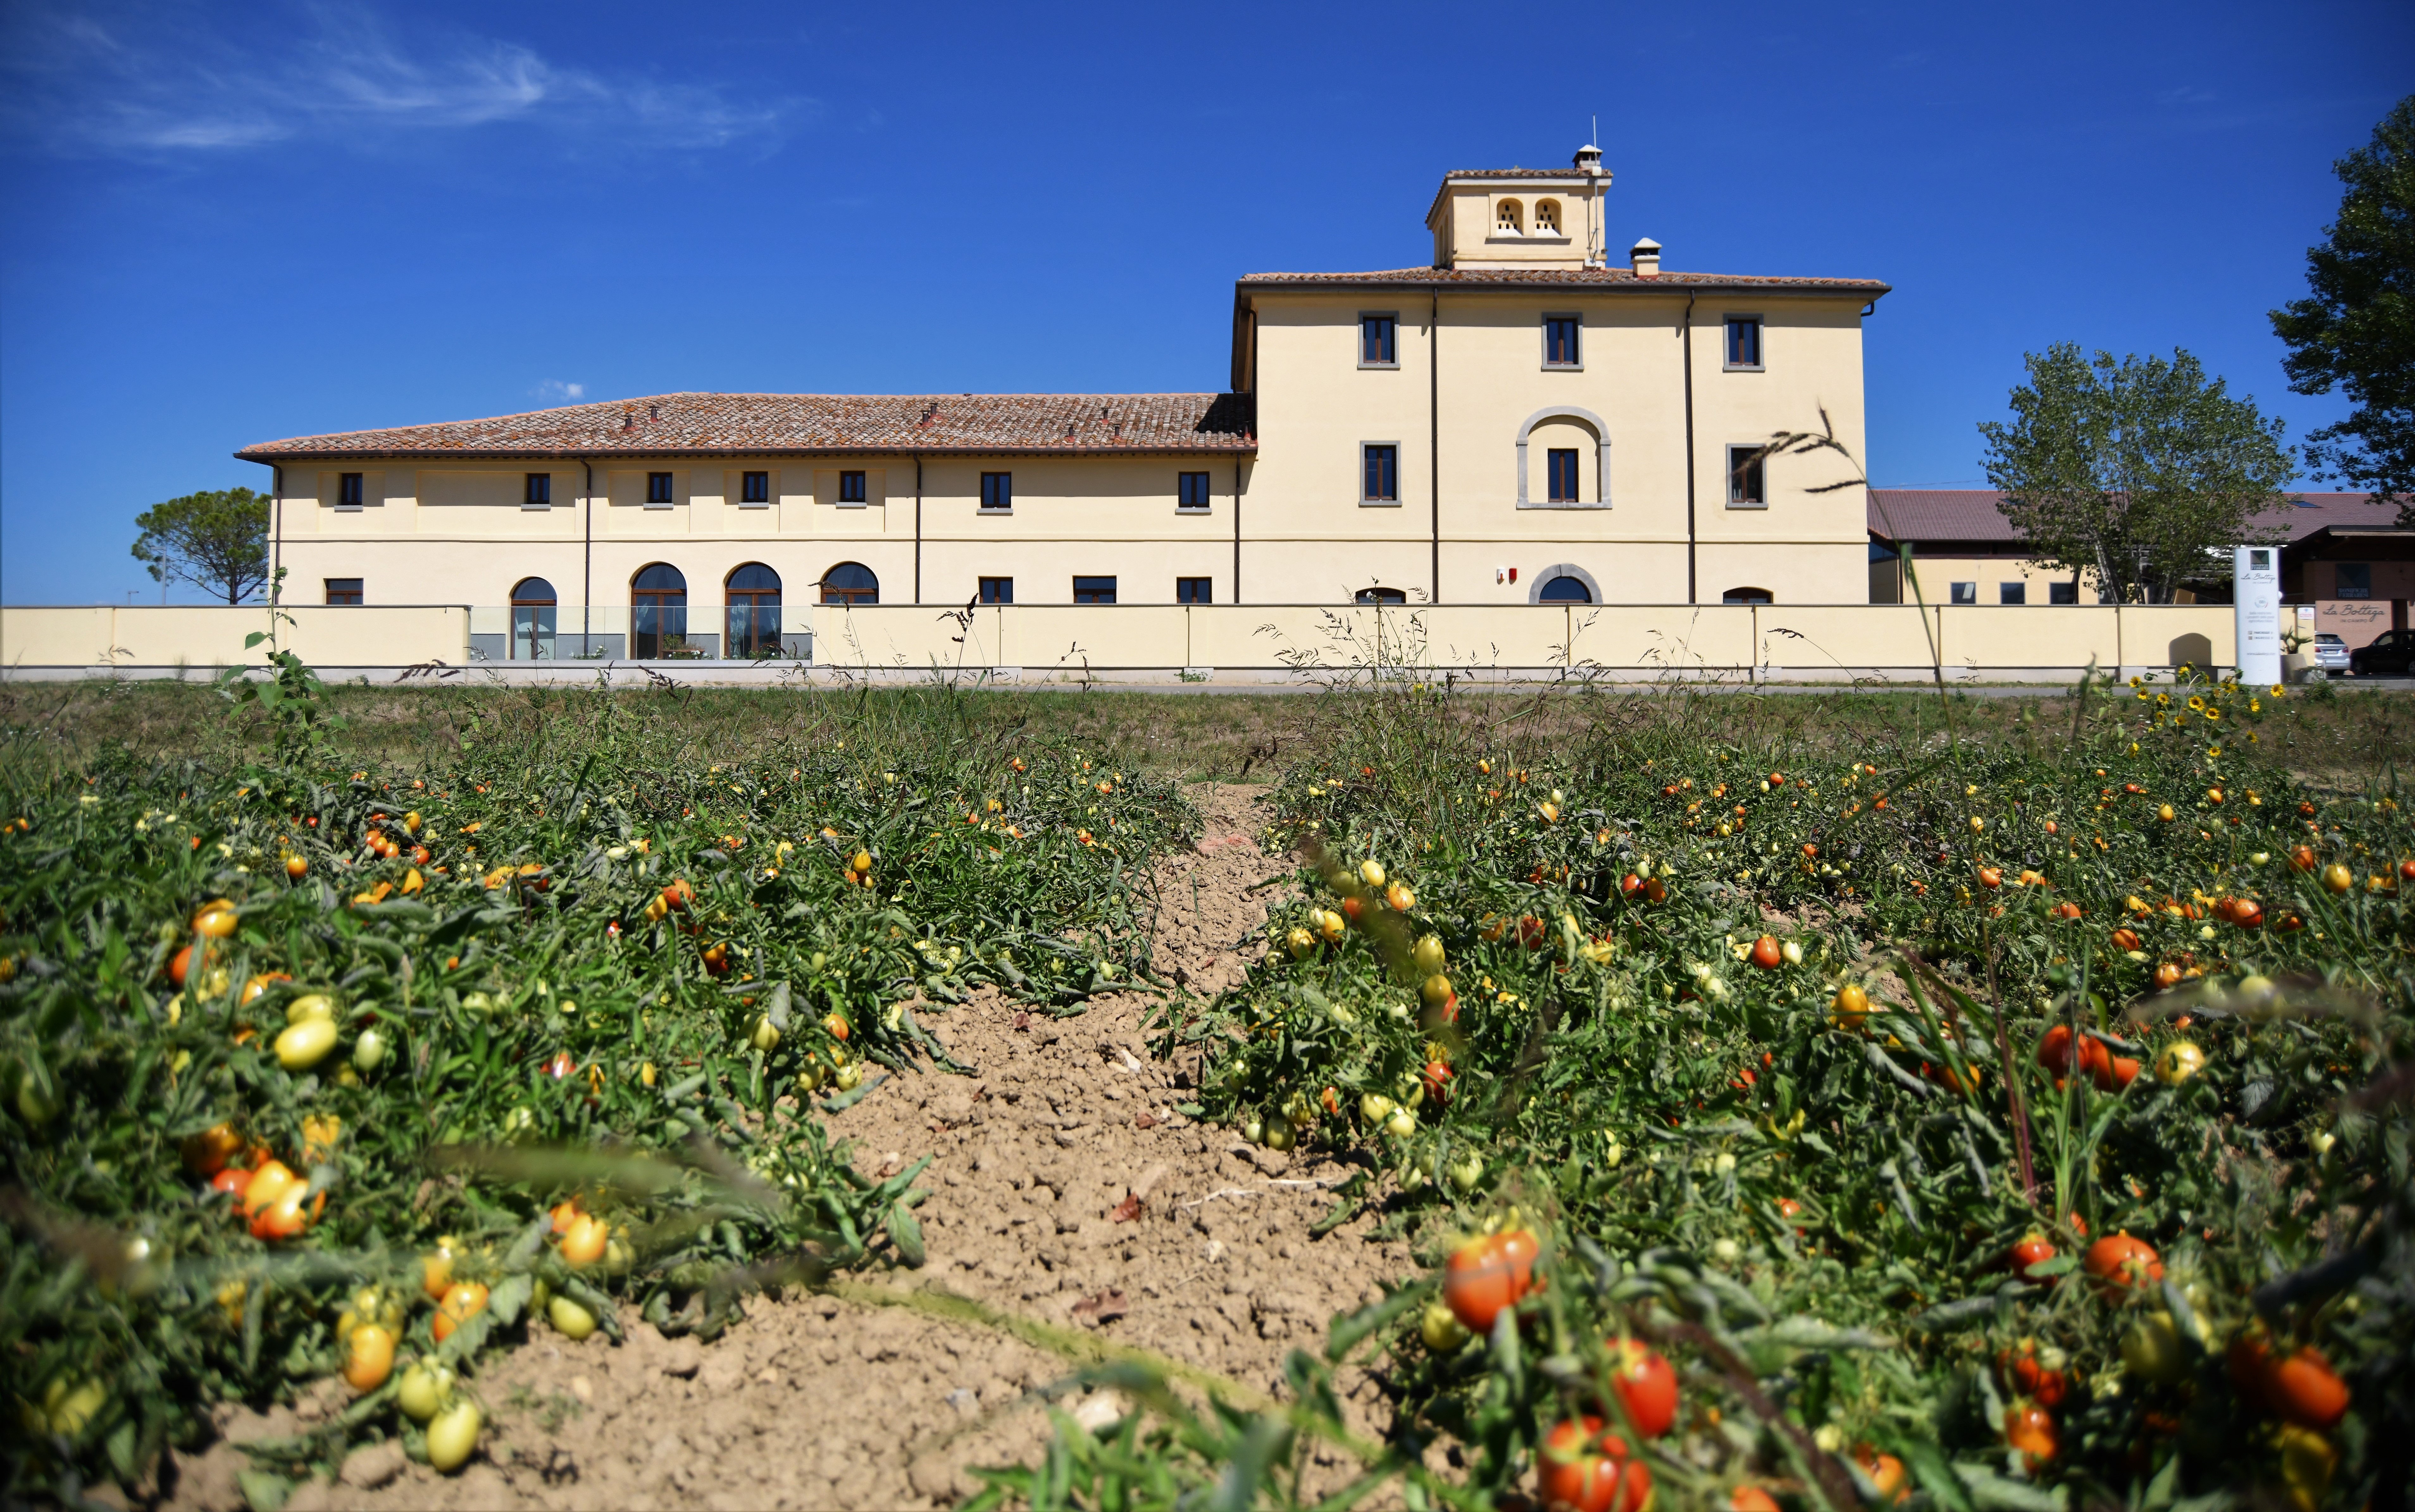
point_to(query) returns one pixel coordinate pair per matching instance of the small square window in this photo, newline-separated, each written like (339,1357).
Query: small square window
(993,590)
(1744,341)
(1748,484)
(1094,590)
(344,591)
(754,487)
(1563,474)
(540,491)
(850,490)
(348,490)
(2012,593)
(1191,491)
(1560,342)
(658,489)
(997,490)
(2062,593)
(1963,592)
(1195,590)
(1382,481)
(2354,580)
(1379,341)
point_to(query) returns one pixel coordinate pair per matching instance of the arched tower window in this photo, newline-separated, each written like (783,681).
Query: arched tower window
(851,582)
(1547,217)
(1510,219)
(533,606)
(657,613)
(753,595)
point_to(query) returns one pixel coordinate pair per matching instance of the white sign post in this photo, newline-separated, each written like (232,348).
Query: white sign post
(2255,599)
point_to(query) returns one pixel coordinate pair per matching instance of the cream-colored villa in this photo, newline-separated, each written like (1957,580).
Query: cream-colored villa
(1518,422)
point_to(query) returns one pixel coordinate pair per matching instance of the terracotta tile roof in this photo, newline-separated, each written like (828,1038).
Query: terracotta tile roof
(1623,280)
(668,425)
(1934,516)
(1516,172)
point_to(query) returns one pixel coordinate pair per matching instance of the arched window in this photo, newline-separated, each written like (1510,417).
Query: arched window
(1547,217)
(1745,595)
(1381,595)
(851,582)
(532,606)
(1565,590)
(753,595)
(657,613)
(1510,219)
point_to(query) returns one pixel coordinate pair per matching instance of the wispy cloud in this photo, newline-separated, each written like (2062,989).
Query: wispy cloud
(152,82)
(554,391)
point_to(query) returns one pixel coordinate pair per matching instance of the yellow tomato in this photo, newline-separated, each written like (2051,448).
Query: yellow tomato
(1440,1329)
(319,1135)
(436,1271)
(569,1319)
(1851,1006)
(261,983)
(311,1006)
(368,1357)
(765,1036)
(1370,872)
(2337,879)
(215,919)
(303,1045)
(1428,955)
(453,1436)
(1301,942)
(863,863)
(2178,1062)
(427,1387)
(371,1305)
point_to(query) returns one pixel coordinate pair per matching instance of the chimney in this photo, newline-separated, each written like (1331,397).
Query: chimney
(1589,159)
(1647,258)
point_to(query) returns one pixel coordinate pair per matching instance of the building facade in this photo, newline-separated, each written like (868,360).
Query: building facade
(1520,421)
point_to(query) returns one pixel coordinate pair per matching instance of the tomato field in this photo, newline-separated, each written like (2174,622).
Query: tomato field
(1962,1109)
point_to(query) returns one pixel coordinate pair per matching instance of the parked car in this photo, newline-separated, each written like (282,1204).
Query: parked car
(2330,653)
(2387,656)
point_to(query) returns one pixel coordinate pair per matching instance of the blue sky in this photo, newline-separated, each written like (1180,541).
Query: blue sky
(225,224)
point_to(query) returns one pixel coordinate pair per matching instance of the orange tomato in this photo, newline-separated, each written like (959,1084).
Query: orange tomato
(1885,1471)
(206,1153)
(2030,1428)
(2122,1265)
(583,1243)
(368,1357)
(215,919)
(1750,1498)
(436,1271)
(1766,953)
(679,895)
(1479,1283)
(463,1301)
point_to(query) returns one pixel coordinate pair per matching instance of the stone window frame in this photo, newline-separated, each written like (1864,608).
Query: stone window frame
(1601,439)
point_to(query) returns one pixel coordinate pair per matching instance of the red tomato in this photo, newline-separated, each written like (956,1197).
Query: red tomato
(2247,914)
(1437,1080)
(1477,1283)
(1518,1247)
(1765,953)
(2032,1251)
(1655,893)
(2030,1428)
(2030,1377)
(2120,1264)
(2303,858)
(2125,939)
(1647,1386)
(1531,932)
(233,1180)
(2303,1389)
(1353,908)
(1990,876)
(179,965)
(1630,885)
(559,1065)
(679,895)
(1585,1468)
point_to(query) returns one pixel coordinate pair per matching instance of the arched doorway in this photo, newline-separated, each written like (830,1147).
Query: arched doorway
(753,595)
(851,582)
(533,609)
(657,613)
(1563,590)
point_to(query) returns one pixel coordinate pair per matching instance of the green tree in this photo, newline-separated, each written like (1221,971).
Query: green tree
(2134,470)
(2358,331)
(217,541)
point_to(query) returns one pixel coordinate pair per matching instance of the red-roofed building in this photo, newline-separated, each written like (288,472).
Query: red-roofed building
(1526,419)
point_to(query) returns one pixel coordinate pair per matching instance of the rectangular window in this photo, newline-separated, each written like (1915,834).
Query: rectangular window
(1744,341)
(1963,592)
(658,489)
(344,590)
(1195,590)
(1191,491)
(1560,342)
(1563,474)
(348,490)
(540,491)
(2355,580)
(2062,593)
(2012,593)
(1747,485)
(1094,590)
(997,490)
(754,487)
(851,489)
(1383,475)
(993,590)
(1378,341)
